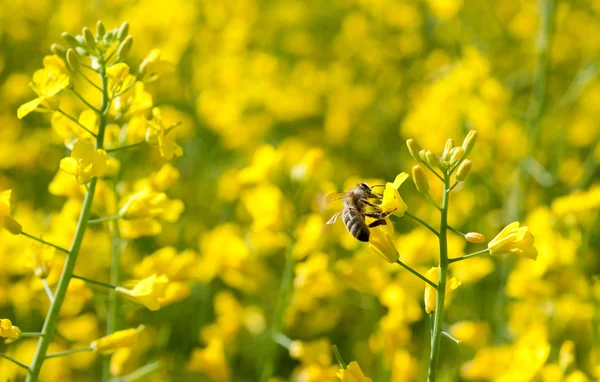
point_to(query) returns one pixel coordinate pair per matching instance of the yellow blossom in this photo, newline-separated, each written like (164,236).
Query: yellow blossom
(211,361)
(46,85)
(158,135)
(148,291)
(9,331)
(433,274)
(148,203)
(165,177)
(6,221)
(382,244)
(41,258)
(85,162)
(392,201)
(118,76)
(513,239)
(117,340)
(352,374)
(153,67)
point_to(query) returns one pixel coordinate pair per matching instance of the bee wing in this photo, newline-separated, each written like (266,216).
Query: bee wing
(331,221)
(334,197)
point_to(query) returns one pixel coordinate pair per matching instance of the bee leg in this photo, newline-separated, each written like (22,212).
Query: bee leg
(368,203)
(377,222)
(378,215)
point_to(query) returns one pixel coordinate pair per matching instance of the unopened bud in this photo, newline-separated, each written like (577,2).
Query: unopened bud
(12,226)
(414,149)
(89,38)
(70,39)
(463,170)
(433,159)
(475,237)
(72,60)
(457,153)
(123,31)
(58,49)
(420,179)
(423,155)
(125,47)
(469,141)
(449,146)
(100,30)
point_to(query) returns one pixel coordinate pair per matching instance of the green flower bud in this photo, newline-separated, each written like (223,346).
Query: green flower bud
(457,153)
(423,155)
(72,60)
(70,39)
(463,170)
(433,160)
(100,30)
(469,141)
(124,48)
(420,179)
(58,49)
(449,146)
(123,31)
(12,226)
(414,149)
(89,38)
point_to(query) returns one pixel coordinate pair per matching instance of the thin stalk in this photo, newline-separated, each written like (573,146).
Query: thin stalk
(99,283)
(121,92)
(339,358)
(105,219)
(31,334)
(68,352)
(114,311)
(441,290)
(85,101)
(417,274)
(456,231)
(449,336)
(45,242)
(452,187)
(76,122)
(433,171)
(432,201)
(48,290)
(67,272)
(133,145)
(468,256)
(90,81)
(11,359)
(139,373)
(435,232)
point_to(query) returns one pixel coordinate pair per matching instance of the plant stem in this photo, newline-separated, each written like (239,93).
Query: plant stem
(67,272)
(105,219)
(44,242)
(84,101)
(456,231)
(435,232)
(11,359)
(48,290)
(468,256)
(99,283)
(441,290)
(139,373)
(114,312)
(417,274)
(76,122)
(339,358)
(31,334)
(131,146)
(432,201)
(67,352)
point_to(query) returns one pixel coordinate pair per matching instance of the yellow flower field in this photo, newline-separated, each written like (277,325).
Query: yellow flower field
(303,191)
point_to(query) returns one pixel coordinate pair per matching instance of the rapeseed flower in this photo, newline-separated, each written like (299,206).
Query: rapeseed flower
(46,84)
(352,374)
(118,340)
(9,331)
(381,242)
(85,162)
(6,221)
(392,201)
(513,239)
(148,291)
(433,275)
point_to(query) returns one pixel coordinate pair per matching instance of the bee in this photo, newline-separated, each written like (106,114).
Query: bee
(354,212)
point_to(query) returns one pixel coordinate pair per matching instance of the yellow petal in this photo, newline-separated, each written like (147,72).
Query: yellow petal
(28,107)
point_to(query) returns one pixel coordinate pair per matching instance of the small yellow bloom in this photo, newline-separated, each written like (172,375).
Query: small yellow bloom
(119,77)
(153,67)
(392,201)
(6,221)
(121,339)
(211,361)
(158,135)
(164,178)
(42,257)
(431,294)
(353,374)
(9,331)
(513,239)
(148,292)
(382,244)
(46,85)
(85,162)
(148,203)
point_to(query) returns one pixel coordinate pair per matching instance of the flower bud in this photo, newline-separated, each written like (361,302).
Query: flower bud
(70,39)
(12,226)
(123,31)
(125,47)
(72,60)
(414,149)
(58,49)
(457,154)
(463,170)
(469,141)
(100,29)
(475,237)
(433,159)
(449,146)
(423,155)
(89,38)
(420,179)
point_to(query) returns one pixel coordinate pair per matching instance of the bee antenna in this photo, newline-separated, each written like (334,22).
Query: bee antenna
(378,185)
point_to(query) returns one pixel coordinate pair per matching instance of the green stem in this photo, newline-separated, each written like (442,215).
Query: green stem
(84,101)
(417,274)
(339,358)
(31,334)
(48,290)
(11,359)
(105,219)
(441,291)
(76,122)
(452,187)
(449,336)
(99,283)
(433,171)
(432,201)
(435,232)
(67,352)
(139,373)
(468,256)
(67,272)
(44,242)
(90,81)
(133,145)
(456,231)
(114,311)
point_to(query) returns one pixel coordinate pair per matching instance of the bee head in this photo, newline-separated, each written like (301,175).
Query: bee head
(365,187)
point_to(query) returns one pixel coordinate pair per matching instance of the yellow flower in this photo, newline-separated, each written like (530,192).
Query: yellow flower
(6,221)
(119,77)
(85,162)
(148,203)
(9,331)
(392,201)
(153,67)
(46,85)
(42,257)
(148,292)
(353,374)
(211,361)
(382,244)
(513,239)
(431,294)
(164,178)
(158,135)
(122,339)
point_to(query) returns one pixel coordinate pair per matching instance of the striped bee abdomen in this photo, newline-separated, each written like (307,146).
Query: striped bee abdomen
(355,223)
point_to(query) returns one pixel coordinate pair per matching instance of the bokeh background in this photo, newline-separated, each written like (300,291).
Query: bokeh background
(284,101)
